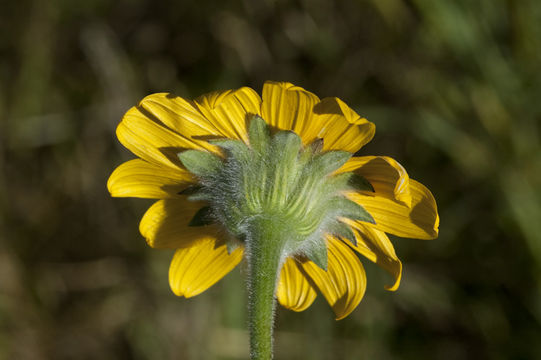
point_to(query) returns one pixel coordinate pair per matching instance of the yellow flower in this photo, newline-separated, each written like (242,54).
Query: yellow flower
(162,130)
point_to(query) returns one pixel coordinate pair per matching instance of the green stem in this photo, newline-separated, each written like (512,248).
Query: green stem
(264,247)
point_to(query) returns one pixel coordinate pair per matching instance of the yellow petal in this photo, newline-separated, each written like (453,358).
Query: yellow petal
(420,221)
(230,110)
(138,178)
(376,246)
(179,115)
(344,283)
(153,141)
(288,107)
(165,224)
(389,179)
(340,127)
(294,291)
(198,267)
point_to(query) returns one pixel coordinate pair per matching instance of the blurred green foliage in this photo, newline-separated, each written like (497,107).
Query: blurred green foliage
(454,88)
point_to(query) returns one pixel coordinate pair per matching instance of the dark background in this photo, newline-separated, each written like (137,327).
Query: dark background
(454,88)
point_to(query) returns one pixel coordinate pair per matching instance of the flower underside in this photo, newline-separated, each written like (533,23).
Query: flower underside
(298,209)
(278,180)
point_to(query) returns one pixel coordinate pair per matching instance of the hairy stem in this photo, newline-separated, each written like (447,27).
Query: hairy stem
(264,248)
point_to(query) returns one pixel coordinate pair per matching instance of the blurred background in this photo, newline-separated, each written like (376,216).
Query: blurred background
(454,88)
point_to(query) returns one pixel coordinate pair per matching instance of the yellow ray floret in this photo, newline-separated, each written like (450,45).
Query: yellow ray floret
(344,283)
(294,290)
(198,267)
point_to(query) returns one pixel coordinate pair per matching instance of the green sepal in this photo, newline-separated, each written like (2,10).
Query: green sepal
(338,182)
(232,244)
(236,148)
(202,217)
(287,145)
(305,155)
(259,134)
(330,161)
(360,183)
(200,163)
(200,196)
(317,253)
(196,193)
(342,230)
(348,179)
(285,150)
(350,209)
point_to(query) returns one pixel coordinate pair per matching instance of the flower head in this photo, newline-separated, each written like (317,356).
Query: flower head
(229,161)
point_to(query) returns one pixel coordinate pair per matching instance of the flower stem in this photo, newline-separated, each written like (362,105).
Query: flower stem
(264,247)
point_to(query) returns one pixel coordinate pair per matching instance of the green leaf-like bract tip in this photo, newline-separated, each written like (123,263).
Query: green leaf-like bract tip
(200,163)
(259,134)
(330,161)
(359,182)
(286,146)
(235,148)
(351,210)
(343,230)
(317,253)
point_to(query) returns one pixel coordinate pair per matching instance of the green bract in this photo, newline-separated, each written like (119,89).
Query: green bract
(275,178)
